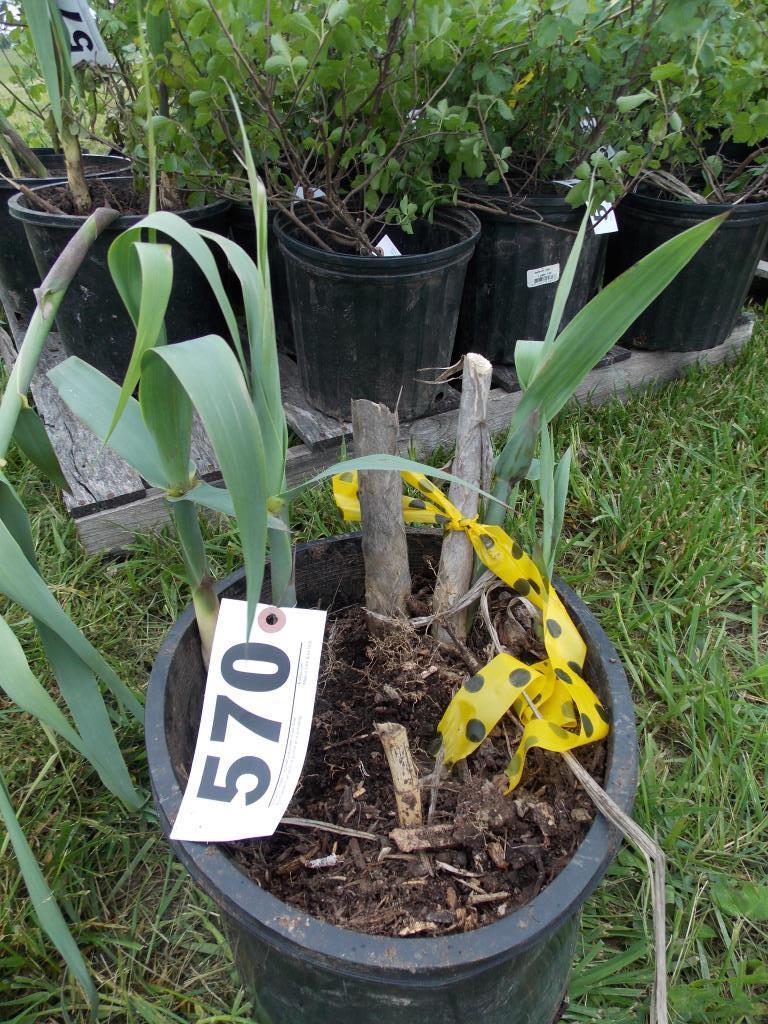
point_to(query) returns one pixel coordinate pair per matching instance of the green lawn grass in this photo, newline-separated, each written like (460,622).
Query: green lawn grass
(667,533)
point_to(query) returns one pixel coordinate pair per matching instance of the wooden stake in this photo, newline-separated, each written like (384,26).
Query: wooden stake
(472,462)
(385,550)
(394,739)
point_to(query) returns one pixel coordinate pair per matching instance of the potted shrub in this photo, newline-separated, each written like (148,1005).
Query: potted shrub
(330,98)
(534,101)
(297,965)
(91,319)
(30,166)
(703,95)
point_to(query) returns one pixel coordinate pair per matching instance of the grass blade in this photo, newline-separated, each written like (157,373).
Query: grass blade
(46,908)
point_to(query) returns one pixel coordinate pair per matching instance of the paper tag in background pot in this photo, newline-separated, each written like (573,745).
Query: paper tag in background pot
(317,193)
(387,247)
(85,42)
(543,275)
(604,219)
(255,723)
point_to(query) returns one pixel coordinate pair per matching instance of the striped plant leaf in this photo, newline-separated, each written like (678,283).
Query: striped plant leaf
(31,437)
(209,373)
(93,397)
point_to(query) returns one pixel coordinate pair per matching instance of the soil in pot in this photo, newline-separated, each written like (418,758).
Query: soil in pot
(699,307)
(368,326)
(500,851)
(18,273)
(513,274)
(92,319)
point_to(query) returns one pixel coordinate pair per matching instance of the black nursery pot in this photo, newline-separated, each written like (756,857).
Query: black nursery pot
(300,970)
(699,307)
(500,306)
(92,319)
(364,326)
(18,273)
(243,230)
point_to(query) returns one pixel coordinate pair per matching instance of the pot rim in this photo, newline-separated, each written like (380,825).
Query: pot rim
(71,222)
(119,163)
(354,952)
(312,254)
(741,213)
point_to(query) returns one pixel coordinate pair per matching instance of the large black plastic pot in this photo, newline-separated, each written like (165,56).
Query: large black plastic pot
(499,307)
(364,326)
(18,273)
(699,307)
(300,970)
(243,230)
(92,319)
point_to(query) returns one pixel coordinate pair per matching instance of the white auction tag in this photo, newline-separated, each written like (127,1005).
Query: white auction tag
(317,193)
(255,723)
(85,42)
(543,275)
(604,219)
(386,247)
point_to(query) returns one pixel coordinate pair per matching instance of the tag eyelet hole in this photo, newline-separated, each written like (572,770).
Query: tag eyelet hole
(271,620)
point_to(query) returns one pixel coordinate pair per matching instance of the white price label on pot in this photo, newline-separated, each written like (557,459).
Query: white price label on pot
(255,723)
(85,42)
(544,275)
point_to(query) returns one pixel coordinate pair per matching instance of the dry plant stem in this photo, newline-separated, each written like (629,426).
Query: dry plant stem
(468,599)
(654,858)
(405,779)
(73,159)
(434,787)
(49,296)
(31,195)
(427,837)
(325,826)
(21,150)
(385,549)
(653,853)
(470,463)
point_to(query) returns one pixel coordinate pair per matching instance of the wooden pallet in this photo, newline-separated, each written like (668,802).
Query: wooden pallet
(110,502)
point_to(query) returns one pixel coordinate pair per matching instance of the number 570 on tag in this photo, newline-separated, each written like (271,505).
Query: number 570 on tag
(255,723)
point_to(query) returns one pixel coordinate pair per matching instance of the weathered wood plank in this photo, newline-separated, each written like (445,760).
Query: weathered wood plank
(314,428)
(97,477)
(112,528)
(762,269)
(7,349)
(202,451)
(16,324)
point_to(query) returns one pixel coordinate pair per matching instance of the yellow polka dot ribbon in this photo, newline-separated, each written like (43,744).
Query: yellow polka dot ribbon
(571,714)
